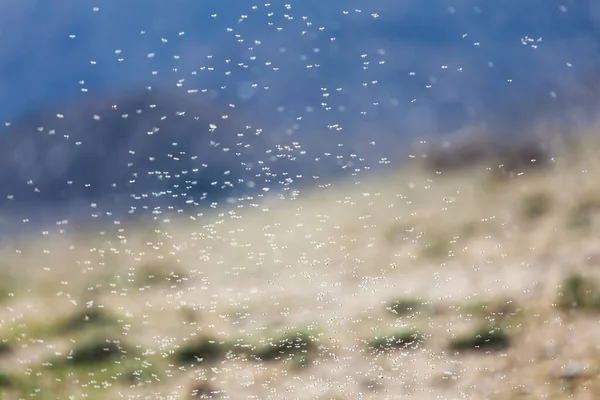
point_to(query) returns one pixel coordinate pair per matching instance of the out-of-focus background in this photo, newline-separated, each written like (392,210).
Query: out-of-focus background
(324,200)
(483,60)
(350,78)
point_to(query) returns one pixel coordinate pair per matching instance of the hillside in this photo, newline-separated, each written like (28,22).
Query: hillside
(462,283)
(140,152)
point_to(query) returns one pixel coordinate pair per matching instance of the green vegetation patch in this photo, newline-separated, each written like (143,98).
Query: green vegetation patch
(7,381)
(202,350)
(159,274)
(401,339)
(87,319)
(499,311)
(484,338)
(405,306)
(536,206)
(93,352)
(578,293)
(438,248)
(297,344)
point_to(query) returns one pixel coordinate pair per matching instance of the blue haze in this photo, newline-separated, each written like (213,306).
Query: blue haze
(501,69)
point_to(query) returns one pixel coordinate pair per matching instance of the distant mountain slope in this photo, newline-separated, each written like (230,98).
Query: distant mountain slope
(151,151)
(141,149)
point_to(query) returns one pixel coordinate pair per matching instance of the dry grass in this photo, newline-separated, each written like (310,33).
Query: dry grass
(481,254)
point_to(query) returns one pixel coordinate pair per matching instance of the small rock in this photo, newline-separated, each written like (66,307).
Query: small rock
(572,371)
(204,391)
